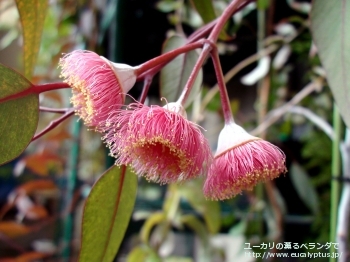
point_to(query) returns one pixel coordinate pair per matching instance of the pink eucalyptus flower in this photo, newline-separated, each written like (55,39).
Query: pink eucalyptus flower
(241,161)
(99,86)
(158,143)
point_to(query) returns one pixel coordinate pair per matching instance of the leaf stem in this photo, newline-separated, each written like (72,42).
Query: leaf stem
(35,89)
(54,110)
(53,124)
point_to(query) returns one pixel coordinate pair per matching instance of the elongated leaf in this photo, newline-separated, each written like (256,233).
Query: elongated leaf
(330,23)
(192,192)
(304,188)
(198,227)
(32,14)
(205,9)
(138,254)
(178,259)
(174,75)
(147,227)
(18,118)
(106,215)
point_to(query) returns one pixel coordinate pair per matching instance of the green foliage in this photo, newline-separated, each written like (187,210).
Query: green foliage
(215,103)
(263,4)
(106,214)
(205,9)
(32,14)
(329,25)
(210,210)
(304,187)
(198,227)
(19,118)
(174,75)
(168,6)
(143,254)
(151,221)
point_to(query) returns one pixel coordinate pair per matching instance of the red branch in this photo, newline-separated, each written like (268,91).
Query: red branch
(54,110)
(225,101)
(146,84)
(167,57)
(35,89)
(53,124)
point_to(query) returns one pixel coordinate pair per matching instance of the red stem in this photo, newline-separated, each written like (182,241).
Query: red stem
(50,86)
(12,244)
(228,12)
(146,84)
(53,124)
(202,32)
(205,30)
(54,110)
(234,6)
(225,101)
(35,89)
(192,78)
(152,72)
(167,57)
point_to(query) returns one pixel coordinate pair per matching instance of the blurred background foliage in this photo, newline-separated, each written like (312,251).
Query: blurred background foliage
(43,191)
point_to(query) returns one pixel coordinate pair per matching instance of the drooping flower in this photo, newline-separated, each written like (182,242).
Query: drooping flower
(241,161)
(98,85)
(158,143)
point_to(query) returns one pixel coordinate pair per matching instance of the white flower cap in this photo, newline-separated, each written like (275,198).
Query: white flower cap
(177,108)
(231,136)
(125,74)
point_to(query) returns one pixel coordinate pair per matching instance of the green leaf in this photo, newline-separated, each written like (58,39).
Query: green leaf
(106,215)
(205,9)
(304,188)
(168,6)
(138,254)
(263,4)
(107,19)
(151,221)
(175,74)
(178,259)
(19,118)
(143,254)
(330,23)
(198,227)
(238,229)
(32,14)
(210,210)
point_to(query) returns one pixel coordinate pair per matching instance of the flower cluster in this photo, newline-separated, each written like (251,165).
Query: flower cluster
(160,143)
